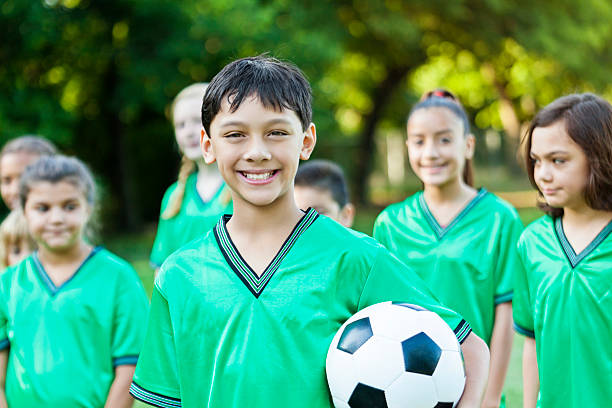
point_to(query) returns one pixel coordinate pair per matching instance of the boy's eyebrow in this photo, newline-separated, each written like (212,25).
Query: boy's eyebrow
(268,123)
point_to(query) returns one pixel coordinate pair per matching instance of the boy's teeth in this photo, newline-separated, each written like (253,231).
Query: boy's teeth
(258,176)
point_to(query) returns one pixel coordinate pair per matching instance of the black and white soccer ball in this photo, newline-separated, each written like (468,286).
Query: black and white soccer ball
(395,355)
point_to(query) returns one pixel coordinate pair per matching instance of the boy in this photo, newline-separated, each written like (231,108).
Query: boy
(243,316)
(320,184)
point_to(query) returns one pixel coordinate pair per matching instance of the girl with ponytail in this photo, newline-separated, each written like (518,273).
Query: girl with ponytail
(193,204)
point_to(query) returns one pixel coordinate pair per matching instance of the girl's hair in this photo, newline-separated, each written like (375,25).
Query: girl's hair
(29,144)
(54,169)
(13,229)
(188,166)
(588,122)
(442,98)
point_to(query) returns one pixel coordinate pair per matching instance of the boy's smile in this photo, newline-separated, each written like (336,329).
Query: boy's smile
(257,150)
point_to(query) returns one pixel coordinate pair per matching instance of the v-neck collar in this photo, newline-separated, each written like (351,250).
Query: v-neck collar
(573,258)
(193,184)
(433,223)
(48,282)
(256,284)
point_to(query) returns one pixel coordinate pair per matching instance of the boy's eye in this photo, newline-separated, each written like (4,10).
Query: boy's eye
(234,134)
(278,133)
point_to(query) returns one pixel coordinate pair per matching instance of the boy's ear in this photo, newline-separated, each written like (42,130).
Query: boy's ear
(308,142)
(347,215)
(207,150)
(470,145)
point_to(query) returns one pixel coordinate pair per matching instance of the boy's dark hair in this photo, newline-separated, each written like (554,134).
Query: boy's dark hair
(588,122)
(442,98)
(324,175)
(277,84)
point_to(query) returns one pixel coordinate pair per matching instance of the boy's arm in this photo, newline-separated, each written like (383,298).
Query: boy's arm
(531,379)
(3,364)
(119,395)
(501,347)
(476,358)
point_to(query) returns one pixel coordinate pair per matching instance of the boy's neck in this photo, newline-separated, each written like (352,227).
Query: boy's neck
(255,220)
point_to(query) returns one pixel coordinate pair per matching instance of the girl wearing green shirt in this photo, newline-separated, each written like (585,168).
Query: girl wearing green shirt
(460,240)
(563,299)
(194,204)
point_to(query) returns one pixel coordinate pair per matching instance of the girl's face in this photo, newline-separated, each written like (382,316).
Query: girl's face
(561,168)
(11,167)
(57,214)
(187,126)
(437,146)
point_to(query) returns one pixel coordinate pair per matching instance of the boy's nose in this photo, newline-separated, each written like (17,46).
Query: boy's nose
(257,151)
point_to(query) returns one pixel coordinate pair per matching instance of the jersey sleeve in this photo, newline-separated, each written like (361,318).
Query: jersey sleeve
(156,380)
(521,304)
(160,250)
(390,279)
(131,308)
(507,260)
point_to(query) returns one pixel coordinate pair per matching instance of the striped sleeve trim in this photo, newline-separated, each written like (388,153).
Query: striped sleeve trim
(125,360)
(153,398)
(524,331)
(462,330)
(4,344)
(504,297)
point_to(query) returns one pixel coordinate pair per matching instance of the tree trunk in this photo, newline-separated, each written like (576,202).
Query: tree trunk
(365,153)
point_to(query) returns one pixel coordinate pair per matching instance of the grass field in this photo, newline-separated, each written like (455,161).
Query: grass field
(135,248)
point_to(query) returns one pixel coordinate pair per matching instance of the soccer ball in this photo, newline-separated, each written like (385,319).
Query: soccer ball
(395,355)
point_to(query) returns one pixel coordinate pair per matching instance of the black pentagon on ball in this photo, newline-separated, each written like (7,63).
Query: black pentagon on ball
(444,405)
(421,354)
(355,335)
(410,306)
(364,396)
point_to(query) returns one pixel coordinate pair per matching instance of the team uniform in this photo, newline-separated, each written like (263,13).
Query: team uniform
(469,264)
(65,342)
(194,219)
(221,336)
(564,301)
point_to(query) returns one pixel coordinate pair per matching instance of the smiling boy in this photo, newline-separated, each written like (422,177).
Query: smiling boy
(243,316)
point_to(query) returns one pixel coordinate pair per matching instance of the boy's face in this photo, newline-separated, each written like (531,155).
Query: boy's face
(322,201)
(257,150)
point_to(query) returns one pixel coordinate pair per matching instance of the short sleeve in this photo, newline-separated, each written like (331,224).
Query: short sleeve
(156,380)
(390,279)
(507,261)
(522,310)
(131,308)
(160,250)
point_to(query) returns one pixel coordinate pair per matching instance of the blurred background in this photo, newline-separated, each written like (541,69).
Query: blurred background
(98,77)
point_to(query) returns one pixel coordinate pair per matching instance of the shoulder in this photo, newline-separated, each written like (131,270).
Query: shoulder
(328,235)
(391,212)
(14,276)
(190,258)
(112,263)
(500,205)
(539,228)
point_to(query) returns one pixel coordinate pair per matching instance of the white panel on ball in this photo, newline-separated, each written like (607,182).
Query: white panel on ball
(411,391)
(377,364)
(448,377)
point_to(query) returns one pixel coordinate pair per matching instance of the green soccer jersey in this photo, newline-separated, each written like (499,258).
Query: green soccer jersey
(564,301)
(194,219)
(220,336)
(64,342)
(469,263)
